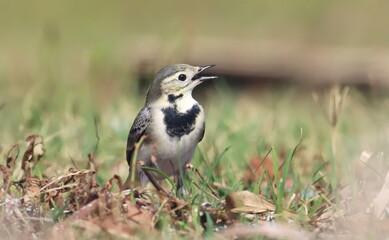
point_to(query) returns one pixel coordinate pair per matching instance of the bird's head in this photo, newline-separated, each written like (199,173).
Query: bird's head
(176,80)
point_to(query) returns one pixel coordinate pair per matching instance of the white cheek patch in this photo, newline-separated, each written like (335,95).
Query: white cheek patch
(170,85)
(169,89)
(167,80)
(167,84)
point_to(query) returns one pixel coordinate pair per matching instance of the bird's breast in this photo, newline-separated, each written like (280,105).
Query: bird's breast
(171,124)
(178,124)
(175,133)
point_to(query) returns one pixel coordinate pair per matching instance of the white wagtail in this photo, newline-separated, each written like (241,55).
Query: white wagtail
(172,120)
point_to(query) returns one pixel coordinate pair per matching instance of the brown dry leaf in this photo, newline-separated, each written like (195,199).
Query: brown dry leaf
(6,175)
(381,201)
(138,215)
(108,184)
(87,210)
(115,226)
(248,202)
(28,156)
(12,155)
(360,165)
(31,191)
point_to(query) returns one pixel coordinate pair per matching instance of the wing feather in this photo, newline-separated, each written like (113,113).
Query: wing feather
(141,122)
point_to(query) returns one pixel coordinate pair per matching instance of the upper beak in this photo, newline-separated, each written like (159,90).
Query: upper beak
(202,78)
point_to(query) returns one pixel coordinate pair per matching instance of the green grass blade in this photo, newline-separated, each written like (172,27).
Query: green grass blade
(333,174)
(315,207)
(274,156)
(57,212)
(258,183)
(285,172)
(134,159)
(219,157)
(162,174)
(209,225)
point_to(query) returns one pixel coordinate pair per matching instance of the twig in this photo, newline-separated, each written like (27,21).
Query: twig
(208,185)
(155,182)
(73,162)
(153,219)
(263,160)
(67,175)
(179,207)
(209,194)
(55,189)
(375,171)
(221,186)
(97,136)
(214,192)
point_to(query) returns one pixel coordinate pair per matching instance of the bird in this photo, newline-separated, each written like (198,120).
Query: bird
(172,121)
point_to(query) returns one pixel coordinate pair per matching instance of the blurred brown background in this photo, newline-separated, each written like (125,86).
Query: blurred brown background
(298,40)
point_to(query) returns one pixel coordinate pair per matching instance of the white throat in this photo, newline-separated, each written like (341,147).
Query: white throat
(184,103)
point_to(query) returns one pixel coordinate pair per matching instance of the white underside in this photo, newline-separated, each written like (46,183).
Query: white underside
(170,154)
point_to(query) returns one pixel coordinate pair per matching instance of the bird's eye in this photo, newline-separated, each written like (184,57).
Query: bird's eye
(182,77)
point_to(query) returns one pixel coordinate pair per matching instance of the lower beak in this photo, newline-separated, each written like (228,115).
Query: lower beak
(202,78)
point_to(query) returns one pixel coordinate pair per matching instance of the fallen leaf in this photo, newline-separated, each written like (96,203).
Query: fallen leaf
(381,201)
(136,214)
(248,202)
(360,165)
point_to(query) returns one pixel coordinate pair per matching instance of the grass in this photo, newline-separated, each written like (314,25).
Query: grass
(283,125)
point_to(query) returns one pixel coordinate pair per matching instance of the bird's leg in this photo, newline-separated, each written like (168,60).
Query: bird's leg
(127,184)
(144,180)
(140,177)
(181,191)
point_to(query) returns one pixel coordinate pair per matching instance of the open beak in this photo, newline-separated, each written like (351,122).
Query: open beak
(203,78)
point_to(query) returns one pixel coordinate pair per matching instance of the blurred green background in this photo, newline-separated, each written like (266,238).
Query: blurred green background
(64,64)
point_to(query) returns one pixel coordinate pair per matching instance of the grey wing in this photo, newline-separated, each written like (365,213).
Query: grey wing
(141,122)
